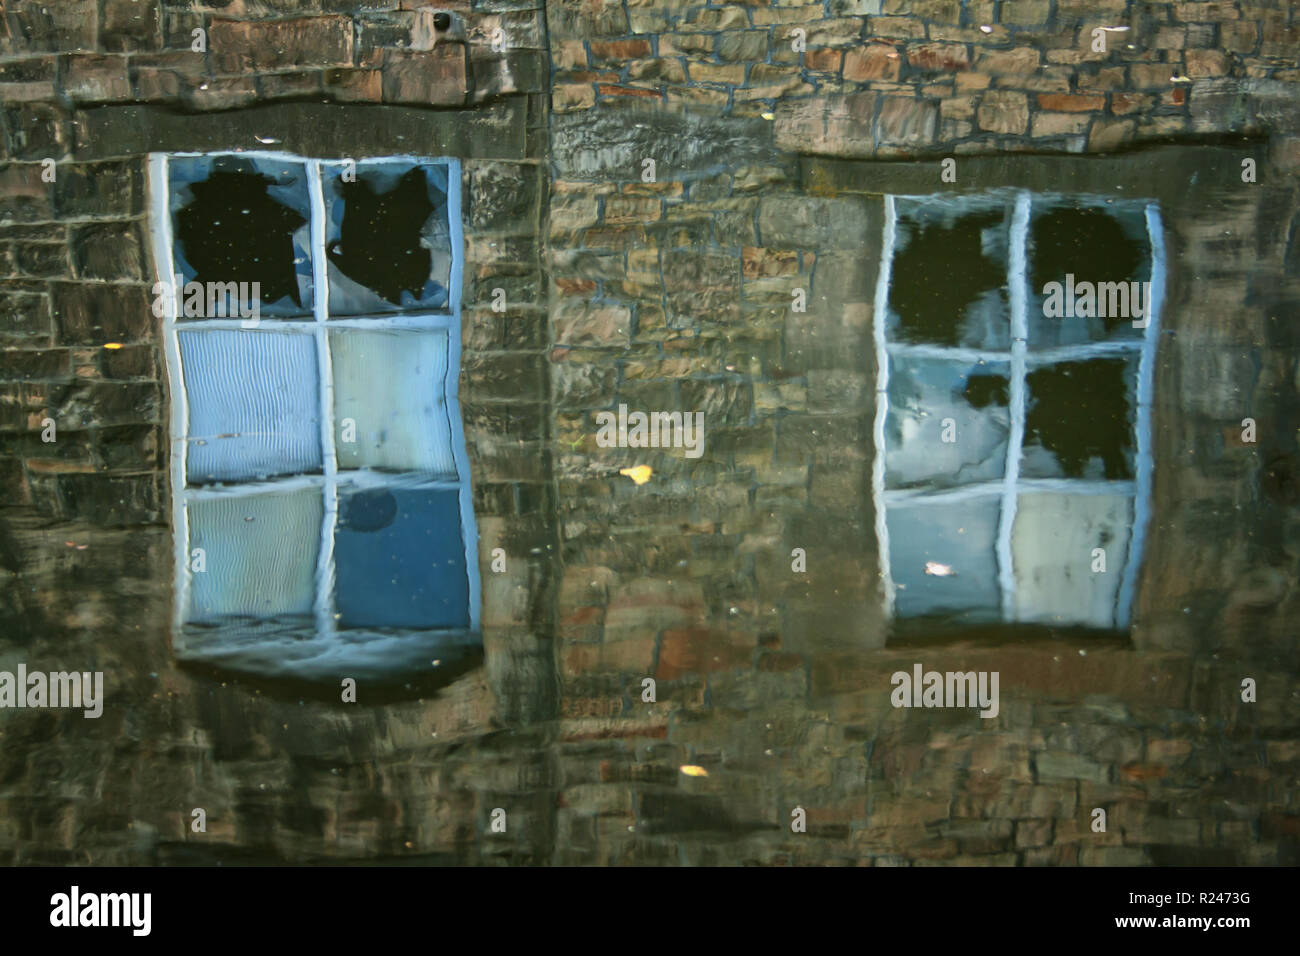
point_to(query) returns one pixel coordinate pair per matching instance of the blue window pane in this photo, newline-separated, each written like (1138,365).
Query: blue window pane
(942,557)
(400,559)
(258,555)
(254,405)
(948,422)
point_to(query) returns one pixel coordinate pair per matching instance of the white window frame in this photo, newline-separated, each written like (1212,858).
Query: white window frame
(319,325)
(1020,360)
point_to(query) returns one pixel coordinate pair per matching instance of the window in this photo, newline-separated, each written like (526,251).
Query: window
(1015,340)
(321,494)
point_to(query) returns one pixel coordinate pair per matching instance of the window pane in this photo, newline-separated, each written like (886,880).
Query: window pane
(400,559)
(948,422)
(239,219)
(947,285)
(389,387)
(942,557)
(254,406)
(1080,420)
(259,553)
(1053,541)
(1101,259)
(388,239)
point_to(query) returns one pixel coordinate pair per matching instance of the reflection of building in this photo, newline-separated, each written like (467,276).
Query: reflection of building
(671,292)
(1042,464)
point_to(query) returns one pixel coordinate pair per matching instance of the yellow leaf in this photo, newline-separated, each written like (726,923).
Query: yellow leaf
(693,771)
(640,474)
(112,345)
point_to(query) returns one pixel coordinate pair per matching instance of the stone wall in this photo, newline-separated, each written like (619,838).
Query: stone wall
(86,538)
(671,294)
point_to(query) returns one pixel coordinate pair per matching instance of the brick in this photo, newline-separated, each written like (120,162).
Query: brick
(92,314)
(252,46)
(1070,103)
(907,122)
(436,78)
(1003,112)
(874,62)
(941,57)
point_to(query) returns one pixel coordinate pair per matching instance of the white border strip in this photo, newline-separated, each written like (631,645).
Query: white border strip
(1016,284)
(1053,356)
(983,489)
(160,228)
(882,402)
(1145,393)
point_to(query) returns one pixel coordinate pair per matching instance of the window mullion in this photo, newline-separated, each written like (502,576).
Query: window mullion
(882,402)
(1145,385)
(1016,284)
(320,305)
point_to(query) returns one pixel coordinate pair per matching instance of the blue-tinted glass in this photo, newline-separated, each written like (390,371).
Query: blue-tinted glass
(254,405)
(257,555)
(400,559)
(942,557)
(948,422)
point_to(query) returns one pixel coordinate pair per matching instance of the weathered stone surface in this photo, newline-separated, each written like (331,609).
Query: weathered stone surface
(1003,112)
(837,125)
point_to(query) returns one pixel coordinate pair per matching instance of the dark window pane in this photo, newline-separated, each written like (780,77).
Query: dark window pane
(949,275)
(388,239)
(1080,420)
(243,220)
(1100,259)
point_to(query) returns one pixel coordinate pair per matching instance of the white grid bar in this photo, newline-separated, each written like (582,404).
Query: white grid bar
(320,306)
(1062,353)
(1017,282)
(985,489)
(1145,398)
(882,401)
(160,222)
(397,320)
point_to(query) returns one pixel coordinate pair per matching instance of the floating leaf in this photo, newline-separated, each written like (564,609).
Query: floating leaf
(639,474)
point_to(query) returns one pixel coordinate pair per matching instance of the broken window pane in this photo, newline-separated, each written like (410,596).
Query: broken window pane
(948,422)
(942,559)
(238,219)
(388,238)
(1099,257)
(258,555)
(389,406)
(400,559)
(949,274)
(1080,420)
(254,404)
(1060,576)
